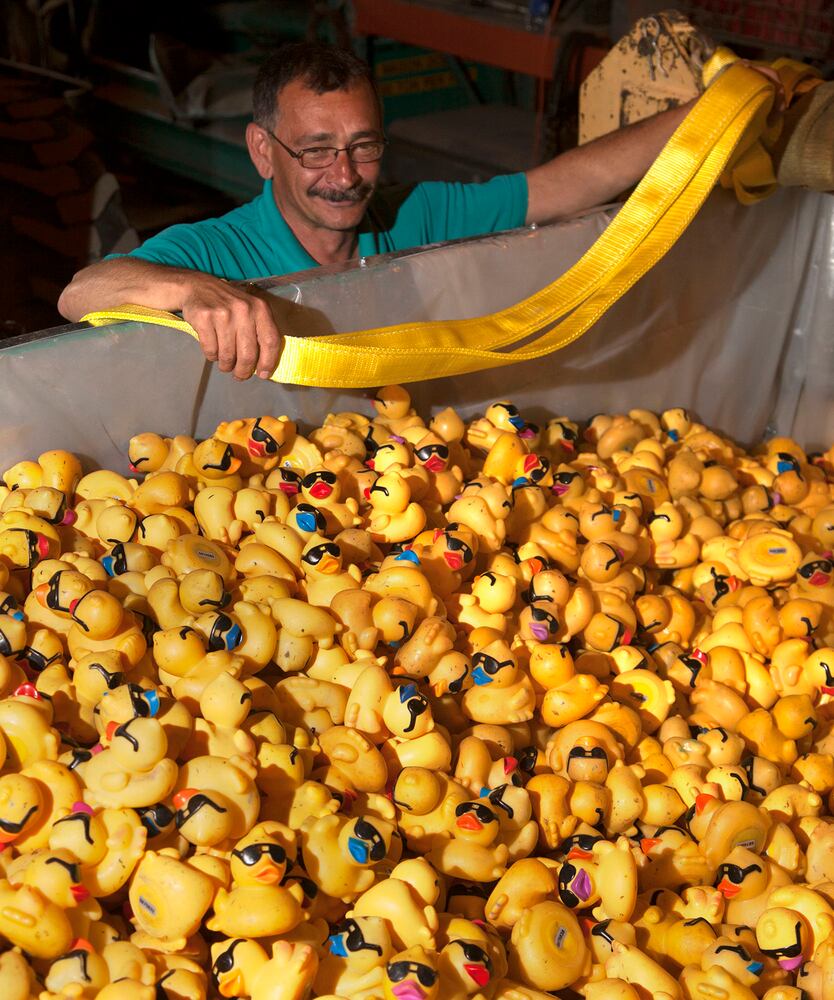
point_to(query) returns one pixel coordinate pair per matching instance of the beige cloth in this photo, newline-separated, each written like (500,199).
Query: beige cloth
(804,153)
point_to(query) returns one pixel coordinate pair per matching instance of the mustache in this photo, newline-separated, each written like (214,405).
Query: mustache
(355,194)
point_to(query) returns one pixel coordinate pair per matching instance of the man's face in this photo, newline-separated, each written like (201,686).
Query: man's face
(333,197)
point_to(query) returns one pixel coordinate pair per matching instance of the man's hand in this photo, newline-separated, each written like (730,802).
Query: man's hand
(235,327)
(234,323)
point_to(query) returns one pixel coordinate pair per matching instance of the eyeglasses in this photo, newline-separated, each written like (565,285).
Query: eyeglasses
(397,971)
(317,157)
(252,854)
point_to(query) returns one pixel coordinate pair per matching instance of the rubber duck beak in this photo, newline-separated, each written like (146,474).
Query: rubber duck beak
(702,801)
(79,893)
(477,973)
(329,565)
(469,822)
(791,964)
(727,889)
(182,797)
(454,560)
(577,854)
(41,594)
(269,874)
(647,843)
(43,546)
(233,986)
(321,491)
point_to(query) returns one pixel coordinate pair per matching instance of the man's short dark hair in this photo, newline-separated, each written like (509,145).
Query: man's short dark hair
(320,67)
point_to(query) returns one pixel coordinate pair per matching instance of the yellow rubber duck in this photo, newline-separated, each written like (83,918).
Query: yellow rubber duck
(394,517)
(134,770)
(148,452)
(100,623)
(258,443)
(108,844)
(212,463)
(258,905)
(502,692)
(322,489)
(32,922)
(59,469)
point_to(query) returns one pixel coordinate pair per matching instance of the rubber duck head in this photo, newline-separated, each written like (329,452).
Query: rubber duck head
(366,840)
(457,545)
(81,965)
(494,665)
(178,650)
(390,494)
(411,975)
(476,822)
(225,701)
(735,957)
(743,875)
(392,402)
(117,524)
(466,962)
(363,942)
(57,874)
(320,486)
(203,590)
(799,618)
(407,713)
(215,459)
(138,744)
(494,592)
(432,452)
(268,435)
(783,935)
(321,557)
(203,818)
(24,547)
(396,618)
(98,613)
(676,422)
(816,573)
(505,416)
(62,589)
(260,858)
(147,452)
(234,965)
(21,806)
(284,479)
(81,833)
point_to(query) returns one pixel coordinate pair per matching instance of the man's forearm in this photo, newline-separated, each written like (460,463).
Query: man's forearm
(596,173)
(111,283)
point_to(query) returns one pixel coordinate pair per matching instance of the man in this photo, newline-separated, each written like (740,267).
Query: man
(317,141)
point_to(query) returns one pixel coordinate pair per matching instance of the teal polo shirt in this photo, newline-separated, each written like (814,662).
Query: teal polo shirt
(254,241)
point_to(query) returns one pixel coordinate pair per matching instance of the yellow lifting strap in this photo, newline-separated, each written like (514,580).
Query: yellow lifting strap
(723,127)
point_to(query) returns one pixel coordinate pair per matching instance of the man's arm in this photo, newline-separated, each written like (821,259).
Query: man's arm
(235,328)
(598,172)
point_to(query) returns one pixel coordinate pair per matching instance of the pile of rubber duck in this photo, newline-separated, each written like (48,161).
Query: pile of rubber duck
(413,710)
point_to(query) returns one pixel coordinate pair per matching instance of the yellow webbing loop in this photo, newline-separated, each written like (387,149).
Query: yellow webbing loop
(750,173)
(732,112)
